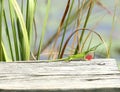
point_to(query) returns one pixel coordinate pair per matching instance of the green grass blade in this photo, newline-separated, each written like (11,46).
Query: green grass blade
(112,30)
(5,56)
(44,29)
(22,2)
(72,18)
(85,41)
(85,24)
(94,48)
(78,29)
(1,16)
(65,29)
(13,19)
(8,35)
(25,40)
(31,5)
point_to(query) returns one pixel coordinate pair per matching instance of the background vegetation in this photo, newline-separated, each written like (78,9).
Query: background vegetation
(41,29)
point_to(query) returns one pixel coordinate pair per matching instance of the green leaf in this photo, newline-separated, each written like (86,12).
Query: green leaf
(5,56)
(15,39)
(8,35)
(43,29)
(65,29)
(84,26)
(31,5)
(25,40)
(1,15)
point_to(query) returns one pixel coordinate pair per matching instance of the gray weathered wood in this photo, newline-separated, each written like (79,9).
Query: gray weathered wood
(98,75)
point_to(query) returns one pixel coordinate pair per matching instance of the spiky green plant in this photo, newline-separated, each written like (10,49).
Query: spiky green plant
(21,31)
(1,16)
(22,28)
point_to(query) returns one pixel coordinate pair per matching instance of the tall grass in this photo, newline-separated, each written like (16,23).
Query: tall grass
(8,36)
(21,31)
(65,29)
(85,24)
(24,41)
(22,27)
(43,29)
(1,15)
(113,28)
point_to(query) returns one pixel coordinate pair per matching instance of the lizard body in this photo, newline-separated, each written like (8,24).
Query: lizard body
(74,57)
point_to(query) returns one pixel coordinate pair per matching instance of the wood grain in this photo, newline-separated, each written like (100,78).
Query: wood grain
(98,75)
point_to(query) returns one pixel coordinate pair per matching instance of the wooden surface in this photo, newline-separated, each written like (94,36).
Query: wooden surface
(76,76)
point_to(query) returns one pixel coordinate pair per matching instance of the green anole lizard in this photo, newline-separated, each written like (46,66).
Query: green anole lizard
(75,57)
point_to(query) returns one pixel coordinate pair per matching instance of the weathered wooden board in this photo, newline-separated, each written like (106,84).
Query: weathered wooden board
(76,76)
